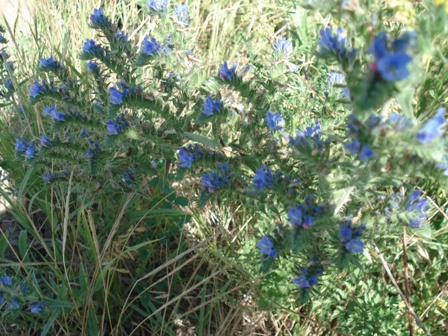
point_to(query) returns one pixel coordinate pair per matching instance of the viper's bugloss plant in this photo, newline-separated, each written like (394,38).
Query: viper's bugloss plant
(139,125)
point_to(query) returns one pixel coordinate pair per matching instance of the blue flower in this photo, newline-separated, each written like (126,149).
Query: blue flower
(312,280)
(30,151)
(3,39)
(418,206)
(211,106)
(211,182)
(301,281)
(128,178)
(402,43)
(415,223)
(6,280)
(310,130)
(345,235)
(116,97)
(14,304)
(433,128)
(48,177)
(414,196)
(36,89)
(90,47)
(36,307)
(181,12)
(121,36)
(265,245)
(353,147)
(45,141)
(283,46)
(334,44)
(53,112)
(157,5)
(83,133)
(225,73)
(111,127)
(391,66)
(1,297)
(295,216)
(379,46)
(99,20)
(93,67)
(263,178)
(355,246)
(21,145)
(89,154)
(359,230)
(308,221)
(274,121)
(366,153)
(8,83)
(336,78)
(150,47)
(186,161)
(50,64)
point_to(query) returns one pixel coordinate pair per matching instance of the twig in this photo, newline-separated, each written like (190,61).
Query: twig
(406,281)
(434,301)
(391,277)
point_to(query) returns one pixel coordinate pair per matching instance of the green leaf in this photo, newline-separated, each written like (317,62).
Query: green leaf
(212,143)
(3,244)
(23,245)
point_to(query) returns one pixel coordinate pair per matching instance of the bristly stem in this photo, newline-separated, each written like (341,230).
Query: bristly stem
(406,280)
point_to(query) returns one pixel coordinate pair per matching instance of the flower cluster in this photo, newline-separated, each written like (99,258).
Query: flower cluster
(54,113)
(117,125)
(417,206)
(23,147)
(391,63)
(91,50)
(50,64)
(302,137)
(213,181)
(151,47)
(100,21)
(359,133)
(13,295)
(283,47)
(349,237)
(303,215)
(309,275)
(192,153)
(335,45)
(124,91)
